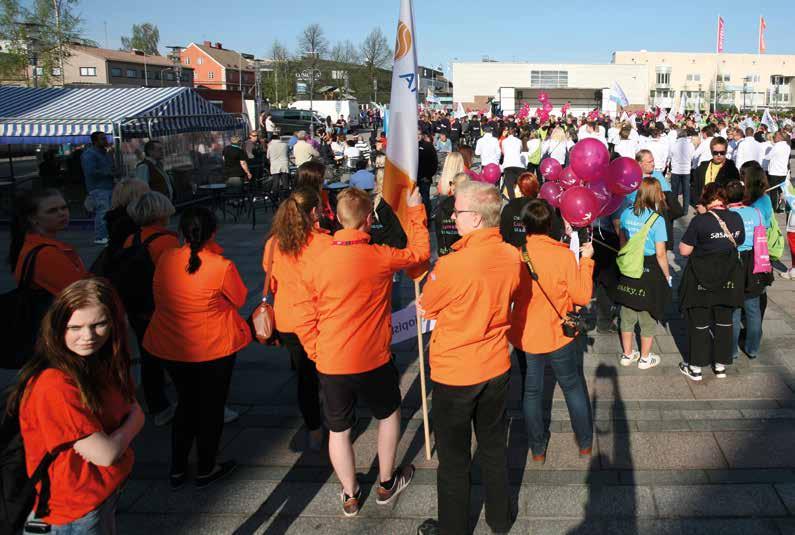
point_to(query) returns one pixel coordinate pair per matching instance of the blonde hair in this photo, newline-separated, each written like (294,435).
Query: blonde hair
(484,199)
(558,134)
(127,191)
(353,207)
(457,180)
(150,208)
(453,164)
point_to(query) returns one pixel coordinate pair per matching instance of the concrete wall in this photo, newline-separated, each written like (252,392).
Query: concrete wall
(79,59)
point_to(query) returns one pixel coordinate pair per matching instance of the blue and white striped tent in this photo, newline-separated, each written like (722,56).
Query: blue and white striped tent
(57,115)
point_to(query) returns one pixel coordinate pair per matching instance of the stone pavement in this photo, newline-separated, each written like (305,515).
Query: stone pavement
(671,456)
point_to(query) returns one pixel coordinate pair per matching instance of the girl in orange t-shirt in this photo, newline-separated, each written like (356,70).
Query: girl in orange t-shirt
(76,402)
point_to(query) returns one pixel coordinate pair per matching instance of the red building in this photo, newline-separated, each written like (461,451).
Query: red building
(218,68)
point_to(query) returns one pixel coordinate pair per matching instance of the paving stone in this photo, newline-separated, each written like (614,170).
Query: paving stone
(758,449)
(661,451)
(717,500)
(755,386)
(787,494)
(211,524)
(586,501)
(768,413)
(752,475)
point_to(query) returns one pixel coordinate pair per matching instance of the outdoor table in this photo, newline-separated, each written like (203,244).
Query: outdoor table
(217,193)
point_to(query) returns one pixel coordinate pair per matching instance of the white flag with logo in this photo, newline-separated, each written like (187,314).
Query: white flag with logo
(768,121)
(682,103)
(618,96)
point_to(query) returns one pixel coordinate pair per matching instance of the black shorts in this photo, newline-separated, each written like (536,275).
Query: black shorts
(379,388)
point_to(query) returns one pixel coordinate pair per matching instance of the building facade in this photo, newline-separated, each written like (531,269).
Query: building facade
(219,68)
(100,66)
(744,81)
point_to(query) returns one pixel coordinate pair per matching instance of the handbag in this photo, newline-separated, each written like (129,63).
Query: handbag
(262,320)
(572,323)
(630,257)
(775,239)
(761,254)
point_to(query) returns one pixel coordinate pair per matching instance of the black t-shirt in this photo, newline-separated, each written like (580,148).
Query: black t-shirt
(233,155)
(706,235)
(446,231)
(512,229)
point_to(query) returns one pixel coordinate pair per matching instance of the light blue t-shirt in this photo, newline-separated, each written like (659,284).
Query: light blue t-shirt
(631,225)
(751,218)
(765,206)
(664,184)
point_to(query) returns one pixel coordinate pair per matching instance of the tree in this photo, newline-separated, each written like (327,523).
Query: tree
(312,45)
(145,37)
(279,86)
(344,52)
(375,53)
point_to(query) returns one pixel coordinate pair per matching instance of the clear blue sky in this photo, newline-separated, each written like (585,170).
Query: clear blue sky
(507,30)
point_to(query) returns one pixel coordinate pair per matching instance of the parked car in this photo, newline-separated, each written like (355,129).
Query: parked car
(290,121)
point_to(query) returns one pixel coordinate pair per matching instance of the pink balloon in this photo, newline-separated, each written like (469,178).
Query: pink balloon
(624,176)
(543,97)
(612,205)
(599,188)
(551,192)
(473,175)
(568,178)
(547,106)
(550,169)
(589,159)
(491,173)
(579,206)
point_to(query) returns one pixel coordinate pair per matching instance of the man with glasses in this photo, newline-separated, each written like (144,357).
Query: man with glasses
(719,169)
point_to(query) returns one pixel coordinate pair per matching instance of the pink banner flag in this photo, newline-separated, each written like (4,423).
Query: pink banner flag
(721,34)
(762,28)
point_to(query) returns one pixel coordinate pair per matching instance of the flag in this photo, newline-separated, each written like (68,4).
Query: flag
(682,103)
(661,114)
(460,113)
(762,28)
(768,121)
(721,34)
(402,151)
(624,116)
(617,95)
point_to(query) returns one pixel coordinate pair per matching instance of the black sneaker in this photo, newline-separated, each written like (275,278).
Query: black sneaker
(351,504)
(429,527)
(177,481)
(221,471)
(689,372)
(720,373)
(402,478)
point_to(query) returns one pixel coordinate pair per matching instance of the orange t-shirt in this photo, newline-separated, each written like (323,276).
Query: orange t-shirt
(348,329)
(52,415)
(469,294)
(56,267)
(535,327)
(196,316)
(159,245)
(289,291)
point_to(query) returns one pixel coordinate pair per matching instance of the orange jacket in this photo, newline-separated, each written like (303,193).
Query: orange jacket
(469,294)
(56,267)
(347,329)
(289,292)
(535,327)
(196,317)
(159,245)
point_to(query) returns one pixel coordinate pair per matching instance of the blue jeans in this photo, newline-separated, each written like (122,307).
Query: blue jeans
(681,184)
(566,364)
(100,521)
(753,327)
(101,198)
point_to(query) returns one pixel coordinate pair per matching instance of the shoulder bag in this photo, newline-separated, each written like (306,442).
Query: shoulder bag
(262,320)
(630,257)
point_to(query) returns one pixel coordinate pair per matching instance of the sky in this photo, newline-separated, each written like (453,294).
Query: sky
(573,31)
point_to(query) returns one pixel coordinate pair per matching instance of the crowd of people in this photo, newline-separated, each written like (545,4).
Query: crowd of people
(510,273)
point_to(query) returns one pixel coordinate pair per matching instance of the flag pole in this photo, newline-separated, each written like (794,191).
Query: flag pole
(421,362)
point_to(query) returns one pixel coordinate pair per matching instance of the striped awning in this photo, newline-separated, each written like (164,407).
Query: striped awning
(33,115)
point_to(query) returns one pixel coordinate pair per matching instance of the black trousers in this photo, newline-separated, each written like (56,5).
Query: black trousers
(709,331)
(775,180)
(202,388)
(152,374)
(455,410)
(308,385)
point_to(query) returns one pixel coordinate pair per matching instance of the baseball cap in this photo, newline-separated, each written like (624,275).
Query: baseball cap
(363,180)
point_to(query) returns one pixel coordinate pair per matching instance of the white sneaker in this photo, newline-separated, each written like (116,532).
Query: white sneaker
(165,416)
(650,361)
(230,415)
(629,360)
(787,275)
(103,241)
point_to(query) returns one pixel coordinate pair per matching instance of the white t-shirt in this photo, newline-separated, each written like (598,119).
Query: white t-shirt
(779,159)
(512,150)
(488,148)
(682,156)
(626,148)
(557,149)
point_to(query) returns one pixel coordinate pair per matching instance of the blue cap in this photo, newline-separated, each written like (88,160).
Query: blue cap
(363,180)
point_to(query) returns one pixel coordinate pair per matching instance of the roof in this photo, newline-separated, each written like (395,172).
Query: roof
(122,55)
(227,58)
(30,115)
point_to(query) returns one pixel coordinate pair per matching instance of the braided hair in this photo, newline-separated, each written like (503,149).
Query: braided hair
(197,225)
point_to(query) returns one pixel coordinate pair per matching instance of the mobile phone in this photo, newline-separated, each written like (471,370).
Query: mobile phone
(37,526)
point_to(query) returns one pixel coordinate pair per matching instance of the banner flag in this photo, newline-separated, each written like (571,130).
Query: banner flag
(721,34)
(618,96)
(762,28)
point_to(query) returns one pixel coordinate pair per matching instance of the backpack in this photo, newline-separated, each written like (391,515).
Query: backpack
(630,257)
(21,311)
(131,273)
(17,490)
(775,239)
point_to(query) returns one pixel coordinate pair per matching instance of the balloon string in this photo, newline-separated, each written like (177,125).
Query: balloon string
(603,244)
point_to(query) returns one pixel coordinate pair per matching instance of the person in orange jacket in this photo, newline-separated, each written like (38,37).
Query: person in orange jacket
(347,331)
(536,327)
(469,294)
(295,229)
(197,330)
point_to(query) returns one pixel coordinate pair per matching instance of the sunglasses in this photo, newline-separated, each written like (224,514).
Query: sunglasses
(719,153)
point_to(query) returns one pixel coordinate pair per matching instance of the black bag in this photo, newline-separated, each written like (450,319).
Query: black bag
(132,272)
(17,490)
(21,312)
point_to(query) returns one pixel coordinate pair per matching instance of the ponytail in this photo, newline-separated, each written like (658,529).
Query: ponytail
(293,221)
(197,225)
(26,204)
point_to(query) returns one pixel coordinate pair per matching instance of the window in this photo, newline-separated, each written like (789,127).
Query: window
(56,71)
(132,73)
(694,77)
(724,77)
(550,79)
(211,75)
(338,75)
(156,75)
(88,71)
(752,78)
(39,71)
(115,71)
(200,60)
(170,76)
(186,61)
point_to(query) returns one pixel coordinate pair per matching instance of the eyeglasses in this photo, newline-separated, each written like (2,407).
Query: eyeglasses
(458,212)
(719,153)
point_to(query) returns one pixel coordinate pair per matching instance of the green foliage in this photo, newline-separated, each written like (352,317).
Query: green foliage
(145,37)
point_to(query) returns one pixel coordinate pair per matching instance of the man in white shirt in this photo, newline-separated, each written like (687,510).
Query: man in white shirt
(512,149)
(681,158)
(658,146)
(488,148)
(747,149)
(779,165)
(703,152)
(303,151)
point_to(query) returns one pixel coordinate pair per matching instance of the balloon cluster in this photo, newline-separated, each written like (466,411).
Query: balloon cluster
(490,174)
(592,185)
(546,107)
